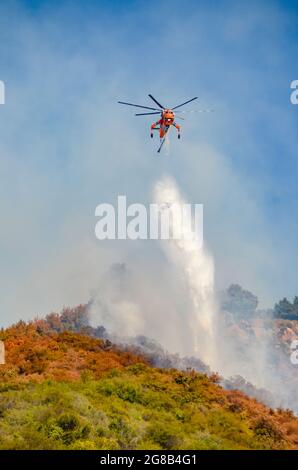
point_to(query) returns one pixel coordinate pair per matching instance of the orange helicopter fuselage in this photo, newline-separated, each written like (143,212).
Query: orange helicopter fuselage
(167,119)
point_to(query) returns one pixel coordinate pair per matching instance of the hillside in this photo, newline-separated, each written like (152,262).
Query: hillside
(65,390)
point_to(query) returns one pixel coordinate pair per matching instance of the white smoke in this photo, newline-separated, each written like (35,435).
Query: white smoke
(115,306)
(178,308)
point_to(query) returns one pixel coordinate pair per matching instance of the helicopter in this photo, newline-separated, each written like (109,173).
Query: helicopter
(167,117)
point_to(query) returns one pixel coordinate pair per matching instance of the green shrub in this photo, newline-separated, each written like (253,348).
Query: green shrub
(266,429)
(164,435)
(68,422)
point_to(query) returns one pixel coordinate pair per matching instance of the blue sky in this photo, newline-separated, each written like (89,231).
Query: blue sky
(66,145)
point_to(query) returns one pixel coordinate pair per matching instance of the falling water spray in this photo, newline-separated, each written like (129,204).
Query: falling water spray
(196,267)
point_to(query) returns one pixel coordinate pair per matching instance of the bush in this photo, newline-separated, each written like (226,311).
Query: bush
(265,428)
(68,422)
(128,393)
(167,437)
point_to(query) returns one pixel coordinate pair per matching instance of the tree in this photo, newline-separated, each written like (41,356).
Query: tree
(239,301)
(286,310)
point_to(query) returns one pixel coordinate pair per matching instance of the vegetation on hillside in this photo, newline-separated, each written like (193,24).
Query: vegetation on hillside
(64,390)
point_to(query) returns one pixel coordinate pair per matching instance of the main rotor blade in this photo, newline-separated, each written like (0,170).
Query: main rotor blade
(178,117)
(155,101)
(182,104)
(146,114)
(137,105)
